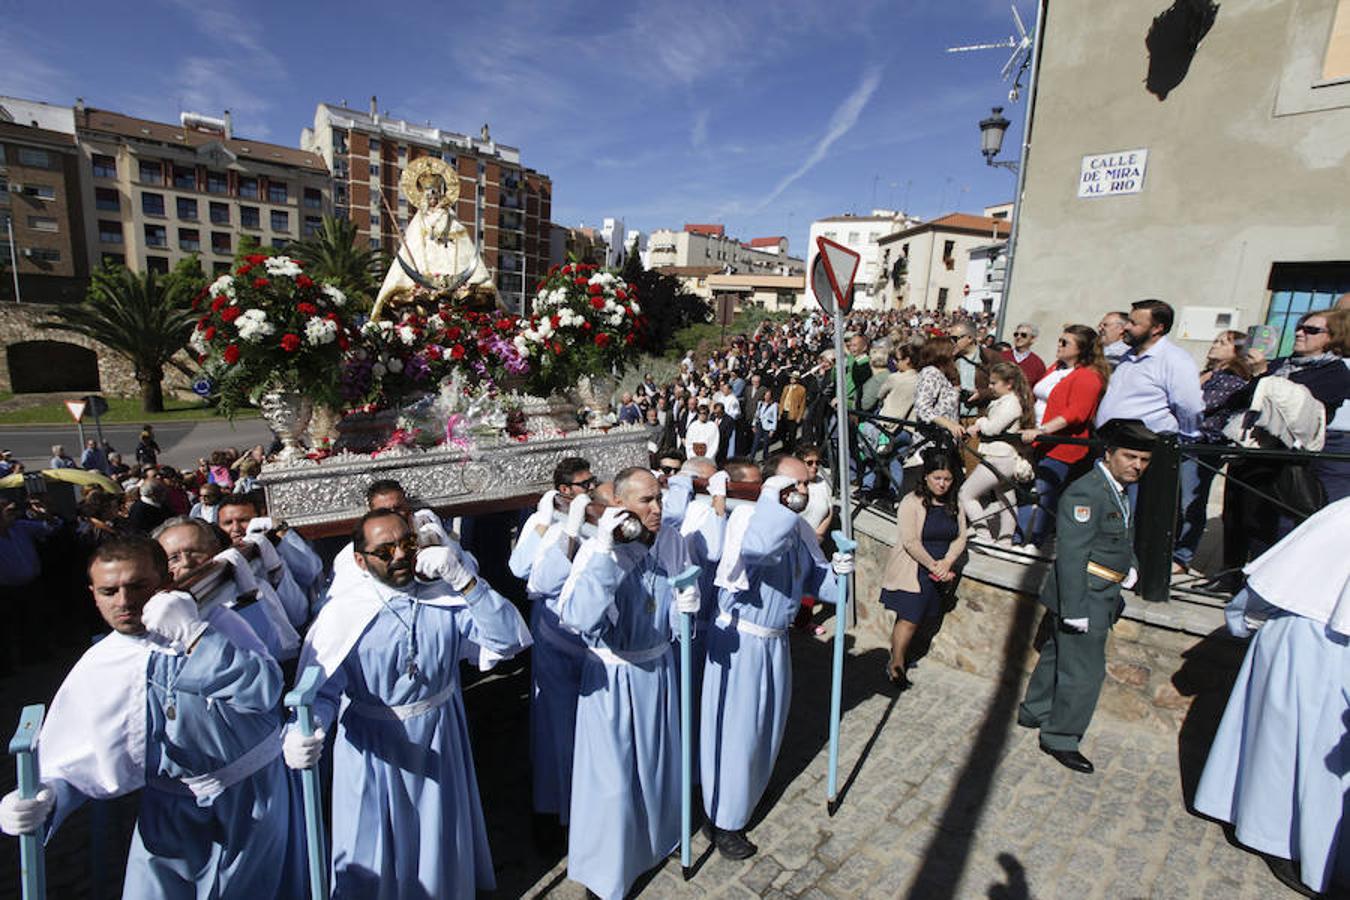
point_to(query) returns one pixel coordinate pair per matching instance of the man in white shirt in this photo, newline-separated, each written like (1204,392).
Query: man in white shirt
(702,437)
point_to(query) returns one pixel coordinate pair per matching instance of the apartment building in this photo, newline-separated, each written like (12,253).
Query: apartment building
(709,245)
(937,258)
(505,206)
(862,235)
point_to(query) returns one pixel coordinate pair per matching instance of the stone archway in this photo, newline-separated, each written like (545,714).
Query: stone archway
(46,366)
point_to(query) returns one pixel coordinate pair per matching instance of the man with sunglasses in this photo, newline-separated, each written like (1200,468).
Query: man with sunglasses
(1032,366)
(572,478)
(406,815)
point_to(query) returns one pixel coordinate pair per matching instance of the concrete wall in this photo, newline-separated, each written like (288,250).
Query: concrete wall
(1247,161)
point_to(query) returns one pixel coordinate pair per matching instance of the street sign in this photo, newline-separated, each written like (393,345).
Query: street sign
(840,264)
(202,387)
(76,408)
(95,405)
(820,284)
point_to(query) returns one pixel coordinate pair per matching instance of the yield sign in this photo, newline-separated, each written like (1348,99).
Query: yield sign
(76,408)
(840,265)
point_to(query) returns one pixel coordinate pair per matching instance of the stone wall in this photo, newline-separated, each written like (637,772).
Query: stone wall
(19,323)
(1154,676)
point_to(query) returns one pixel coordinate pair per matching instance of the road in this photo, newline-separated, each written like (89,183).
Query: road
(181,443)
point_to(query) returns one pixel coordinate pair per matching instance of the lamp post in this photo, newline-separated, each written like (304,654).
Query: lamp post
(992,130)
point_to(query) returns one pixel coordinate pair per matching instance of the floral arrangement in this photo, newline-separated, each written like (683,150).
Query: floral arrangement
(397,360)
(266,326)
(585,322)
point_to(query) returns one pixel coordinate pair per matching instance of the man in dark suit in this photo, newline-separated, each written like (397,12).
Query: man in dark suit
(1094,559)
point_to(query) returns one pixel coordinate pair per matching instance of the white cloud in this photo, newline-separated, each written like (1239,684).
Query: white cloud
(27,73)
(841,123)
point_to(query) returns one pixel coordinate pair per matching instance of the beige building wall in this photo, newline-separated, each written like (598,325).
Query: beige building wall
(1248,164)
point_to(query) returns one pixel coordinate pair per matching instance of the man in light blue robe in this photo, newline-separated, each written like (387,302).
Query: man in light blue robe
(769,559)
(187,711)
(1279,767)
(625,805)
(238,518)
(407,820)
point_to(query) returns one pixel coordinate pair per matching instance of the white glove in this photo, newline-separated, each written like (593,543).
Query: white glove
(173,616)
(430,530)
(576,515)
(1078,625)
(686,599)
(19,816)
(259,525)
(773,488)
(842,563)
(613,517)
(443,563)
(243,573)
(717,484)
(545,507)
(1131,578)
(302,752)
(267,554)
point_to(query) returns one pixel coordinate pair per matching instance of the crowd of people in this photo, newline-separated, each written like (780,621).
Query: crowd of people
(214,607)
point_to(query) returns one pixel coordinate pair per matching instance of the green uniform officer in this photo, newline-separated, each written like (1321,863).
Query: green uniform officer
(1094,559)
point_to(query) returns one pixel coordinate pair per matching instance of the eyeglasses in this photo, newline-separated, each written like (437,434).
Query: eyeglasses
(1022,334)
(386,552)
(670,470)
(1310,329)
(811,462)
(588,483)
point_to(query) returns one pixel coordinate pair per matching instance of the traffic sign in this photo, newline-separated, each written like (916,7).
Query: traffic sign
(840,264)
(820,284)
(76,408)
(202,387)
(97,406)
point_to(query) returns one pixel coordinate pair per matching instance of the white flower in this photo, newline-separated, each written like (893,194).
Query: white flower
(407,335)
(545,327)
(281,266)
(222,285)
(253,325)
(395,365)
(632,304)
(522,346)
(320,331)
(435,322)
(198,342)
(334,295)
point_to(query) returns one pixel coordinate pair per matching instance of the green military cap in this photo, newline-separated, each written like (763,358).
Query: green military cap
(1130,434)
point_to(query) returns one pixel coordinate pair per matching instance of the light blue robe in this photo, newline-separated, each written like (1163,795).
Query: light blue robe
(1279,768)
(747,679)
(407,820)
(248,841)
(626,773)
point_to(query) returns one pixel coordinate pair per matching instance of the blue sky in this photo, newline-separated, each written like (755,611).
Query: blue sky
(762,116)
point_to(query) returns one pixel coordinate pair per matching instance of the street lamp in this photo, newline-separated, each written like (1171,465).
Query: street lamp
(992,130)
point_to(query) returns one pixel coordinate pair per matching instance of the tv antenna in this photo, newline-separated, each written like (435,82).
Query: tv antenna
(1018,62)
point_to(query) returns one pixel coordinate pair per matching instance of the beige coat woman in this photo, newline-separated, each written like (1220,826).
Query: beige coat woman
(902,567)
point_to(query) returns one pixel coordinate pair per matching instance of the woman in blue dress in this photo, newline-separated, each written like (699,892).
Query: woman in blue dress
(927,556)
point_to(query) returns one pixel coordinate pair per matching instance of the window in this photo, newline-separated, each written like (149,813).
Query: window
(48,255)
(852,237)
(281,220)
(157,264)
(341,212)
(184,178)
(374,170)
(107,199)
(109,232)
(187,208)
(216,183)
(248,188)
(220,268)
(1298,288)
(151,172)
(374,146)
(156,236)
(948,247)
(312,225)
(313,198)
(1336,64)
(104,166)
(37,159)
(942,299)
(339,141)
(42,223)
(220,242)
(402,152)
(279,243)
(375,242)
(152,204)
(40,191)
(248,217)
(220,214)
(449,157)
(189,239)
(276,192)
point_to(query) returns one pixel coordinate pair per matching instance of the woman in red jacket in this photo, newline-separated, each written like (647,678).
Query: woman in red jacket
(1069,411)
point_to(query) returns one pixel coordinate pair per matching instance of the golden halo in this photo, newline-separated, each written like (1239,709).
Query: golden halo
(428,165)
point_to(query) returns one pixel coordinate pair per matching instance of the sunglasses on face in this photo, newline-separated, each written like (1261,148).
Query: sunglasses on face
(1310,329)
(588,483)
(670,470)
(811,462)
(386,552)
(1021,334)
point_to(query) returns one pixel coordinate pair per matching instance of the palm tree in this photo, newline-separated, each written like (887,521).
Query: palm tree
(140,317)
(332,255)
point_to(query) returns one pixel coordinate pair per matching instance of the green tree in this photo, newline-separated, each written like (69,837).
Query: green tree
(332,255)
(140,317)
(632,266)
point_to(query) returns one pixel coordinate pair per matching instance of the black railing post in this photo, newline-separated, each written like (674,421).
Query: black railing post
(1155,528)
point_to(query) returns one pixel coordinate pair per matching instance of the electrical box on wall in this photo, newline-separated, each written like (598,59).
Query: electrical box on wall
(1202,323)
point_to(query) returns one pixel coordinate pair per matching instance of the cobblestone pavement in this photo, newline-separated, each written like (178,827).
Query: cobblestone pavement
(943,797)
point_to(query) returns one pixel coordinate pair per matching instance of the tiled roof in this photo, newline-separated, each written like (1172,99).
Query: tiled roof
(766,241)
(964,222)
(107,122)
(719,230)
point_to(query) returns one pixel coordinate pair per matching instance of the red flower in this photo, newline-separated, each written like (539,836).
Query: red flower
(557,348)
(290,342)
(632,288)
(256,259)
(304,281)
(566,270)
(231,354)
(485,332)
(504,324)
(230,313)
(434,352)
(457,352)
(554,320)
(621,294)
(307,309)
(210,332)
(585,326)
(201,323)
(580,282)
(630,338)
(260,282)
(244,269)
(454,332)
(196,303)
(596,289)
(217,303)
(602,339)
(597,302)
(342,342)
